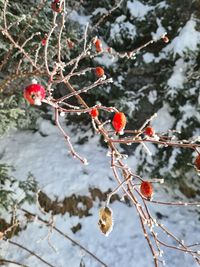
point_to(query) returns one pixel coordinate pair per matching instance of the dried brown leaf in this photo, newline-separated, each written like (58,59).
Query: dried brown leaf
(105,220)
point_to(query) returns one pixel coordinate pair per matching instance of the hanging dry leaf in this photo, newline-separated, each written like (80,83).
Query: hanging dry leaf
(105,220)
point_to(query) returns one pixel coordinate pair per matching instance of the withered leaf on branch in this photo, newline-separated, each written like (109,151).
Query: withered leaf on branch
(105,220)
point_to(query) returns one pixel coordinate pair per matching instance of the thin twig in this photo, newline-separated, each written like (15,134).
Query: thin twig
(65,236)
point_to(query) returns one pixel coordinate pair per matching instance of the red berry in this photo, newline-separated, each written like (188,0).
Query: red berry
(129,54)
(94,113)
(99,72)
(149,131)
(197,162)
(146,189)
(98,45)
(34,94)
(109,50)
(70,44)
(119,122)
(56,6)
(44,41)
(165,39)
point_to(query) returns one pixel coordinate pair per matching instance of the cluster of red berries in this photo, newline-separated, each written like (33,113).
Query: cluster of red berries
(57,7)
(99,46)
(118,122)
(35,93)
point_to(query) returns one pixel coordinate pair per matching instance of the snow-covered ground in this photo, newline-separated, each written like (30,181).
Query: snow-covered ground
(59,175)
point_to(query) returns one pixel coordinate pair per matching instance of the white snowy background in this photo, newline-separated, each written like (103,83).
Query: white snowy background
(59,176)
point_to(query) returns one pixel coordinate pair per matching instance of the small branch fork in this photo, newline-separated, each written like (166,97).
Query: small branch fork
(46,222)
(126,179)
(32,217)
(2,261)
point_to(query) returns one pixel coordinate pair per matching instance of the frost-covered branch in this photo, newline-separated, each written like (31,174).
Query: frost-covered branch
(138,190)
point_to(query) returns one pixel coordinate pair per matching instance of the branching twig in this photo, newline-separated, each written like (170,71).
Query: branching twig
(126,179)
(30,252)
(65,236)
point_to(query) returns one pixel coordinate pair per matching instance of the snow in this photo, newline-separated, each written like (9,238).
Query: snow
(138,10)
(162,4)
(119,28)
(81,19)
(59,175)
(34,152)
(171,161)
(148,57)
(45,155)
(152,96)
(160,30)
(100,11)
(106,60)
(177,78)
(164,121)
(120,18)
(188,38)
(188,111)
